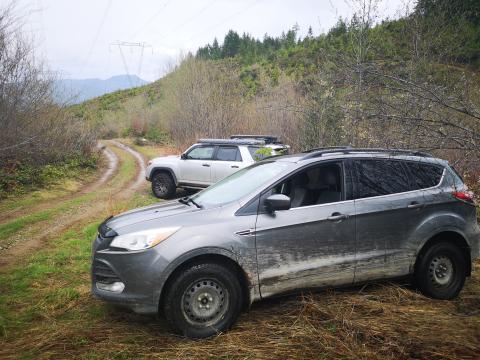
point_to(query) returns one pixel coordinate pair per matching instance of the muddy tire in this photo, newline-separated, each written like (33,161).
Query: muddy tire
(440,271)
(163,186)
(203,300)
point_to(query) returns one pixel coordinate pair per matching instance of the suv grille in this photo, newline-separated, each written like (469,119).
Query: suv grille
(104,273)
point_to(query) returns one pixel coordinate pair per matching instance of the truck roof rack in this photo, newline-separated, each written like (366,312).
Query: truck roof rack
(349,150)
(231,142)
(268,139)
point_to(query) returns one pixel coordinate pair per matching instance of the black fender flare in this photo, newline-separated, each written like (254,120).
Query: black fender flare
(167,169)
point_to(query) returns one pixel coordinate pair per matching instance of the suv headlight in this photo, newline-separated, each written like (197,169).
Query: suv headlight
(143,239)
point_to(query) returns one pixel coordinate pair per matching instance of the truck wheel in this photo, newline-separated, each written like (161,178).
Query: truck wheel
(203,300)
(163,186)
(440,271)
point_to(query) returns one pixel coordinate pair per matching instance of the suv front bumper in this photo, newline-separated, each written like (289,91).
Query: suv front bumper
(139,272)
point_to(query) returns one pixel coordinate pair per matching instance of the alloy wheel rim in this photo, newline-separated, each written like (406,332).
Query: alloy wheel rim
(160,187)
(441,271)
(205,302)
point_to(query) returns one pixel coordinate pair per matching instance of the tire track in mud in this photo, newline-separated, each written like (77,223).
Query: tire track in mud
(139,160)
(21,247)
(111,169)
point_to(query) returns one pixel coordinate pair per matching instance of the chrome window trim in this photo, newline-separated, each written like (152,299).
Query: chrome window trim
(318,205)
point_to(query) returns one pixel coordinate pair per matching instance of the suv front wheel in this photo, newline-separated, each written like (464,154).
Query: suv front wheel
(440,271)
(163,186)
(203,300)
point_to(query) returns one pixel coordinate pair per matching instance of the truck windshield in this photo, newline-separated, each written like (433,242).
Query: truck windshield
(239,184)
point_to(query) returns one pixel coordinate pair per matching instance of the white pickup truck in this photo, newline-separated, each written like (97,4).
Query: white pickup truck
(208,161)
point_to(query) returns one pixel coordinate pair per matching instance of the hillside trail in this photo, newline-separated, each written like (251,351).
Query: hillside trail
(110,165)
(107,191)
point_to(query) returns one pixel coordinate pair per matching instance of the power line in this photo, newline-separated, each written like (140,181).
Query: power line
(250,5)
(97,34)
(192,17)
(148,22)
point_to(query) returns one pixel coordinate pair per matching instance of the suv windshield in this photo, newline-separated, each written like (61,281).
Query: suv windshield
(239,184)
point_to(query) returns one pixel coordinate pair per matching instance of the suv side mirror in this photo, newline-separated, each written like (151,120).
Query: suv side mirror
(277,202)
(183,156)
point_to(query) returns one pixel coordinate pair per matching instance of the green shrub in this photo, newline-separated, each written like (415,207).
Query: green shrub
(19,178)
(157,135)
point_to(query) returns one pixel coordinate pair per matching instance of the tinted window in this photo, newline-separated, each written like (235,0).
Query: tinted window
(424,175)
(228,154)
(457,178)
(379,177)
(201,153)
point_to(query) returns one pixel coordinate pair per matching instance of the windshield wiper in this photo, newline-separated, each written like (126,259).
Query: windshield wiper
(187,200)
(195,203)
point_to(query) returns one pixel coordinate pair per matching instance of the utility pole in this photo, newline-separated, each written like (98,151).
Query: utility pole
(131,45)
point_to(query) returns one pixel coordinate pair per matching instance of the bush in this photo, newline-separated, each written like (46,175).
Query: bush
(20,178)
(157,136)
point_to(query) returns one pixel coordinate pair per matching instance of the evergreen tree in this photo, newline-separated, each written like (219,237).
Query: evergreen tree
(215,51)
(231,44)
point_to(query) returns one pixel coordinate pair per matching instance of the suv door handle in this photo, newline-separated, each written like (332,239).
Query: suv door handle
(206,165)
(337,217)
(415,205)
(234,166)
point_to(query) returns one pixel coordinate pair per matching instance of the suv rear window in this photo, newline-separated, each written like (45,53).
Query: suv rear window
(256,156)
(379,177)
(424,175)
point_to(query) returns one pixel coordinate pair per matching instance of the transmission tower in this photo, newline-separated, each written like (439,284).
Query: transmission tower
(131,45)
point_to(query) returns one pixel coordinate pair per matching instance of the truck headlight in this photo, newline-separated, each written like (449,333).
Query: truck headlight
(143,239)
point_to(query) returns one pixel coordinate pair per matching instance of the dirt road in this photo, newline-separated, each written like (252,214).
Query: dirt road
(120,178)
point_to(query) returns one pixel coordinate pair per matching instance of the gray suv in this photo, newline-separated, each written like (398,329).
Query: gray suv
(324,218)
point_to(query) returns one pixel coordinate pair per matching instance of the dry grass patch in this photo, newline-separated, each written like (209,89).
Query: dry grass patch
(375,322)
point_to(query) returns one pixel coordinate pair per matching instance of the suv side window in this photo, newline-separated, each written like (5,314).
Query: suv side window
(424,175)
(228,153)
(319,184)
(201,153)
(379,177)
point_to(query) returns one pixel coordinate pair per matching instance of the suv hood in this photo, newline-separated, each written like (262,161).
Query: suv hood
(147,214)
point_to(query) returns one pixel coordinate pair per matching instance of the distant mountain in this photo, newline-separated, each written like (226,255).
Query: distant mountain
(73,91)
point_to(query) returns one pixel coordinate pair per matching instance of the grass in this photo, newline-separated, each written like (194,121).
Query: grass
(125,174)
(53,191)
(151,151)
(19,185)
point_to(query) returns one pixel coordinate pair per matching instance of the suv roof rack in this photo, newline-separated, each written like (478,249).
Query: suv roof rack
(327,148)
(349,150)
(268,139)
(231,141)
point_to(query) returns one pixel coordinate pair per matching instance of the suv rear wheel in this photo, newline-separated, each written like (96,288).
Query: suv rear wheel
(440,271)
(163,186)
(203,300)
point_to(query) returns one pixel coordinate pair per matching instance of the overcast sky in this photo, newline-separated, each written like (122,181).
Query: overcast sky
(76,37)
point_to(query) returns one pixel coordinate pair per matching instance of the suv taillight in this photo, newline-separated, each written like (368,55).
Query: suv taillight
(464,195)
